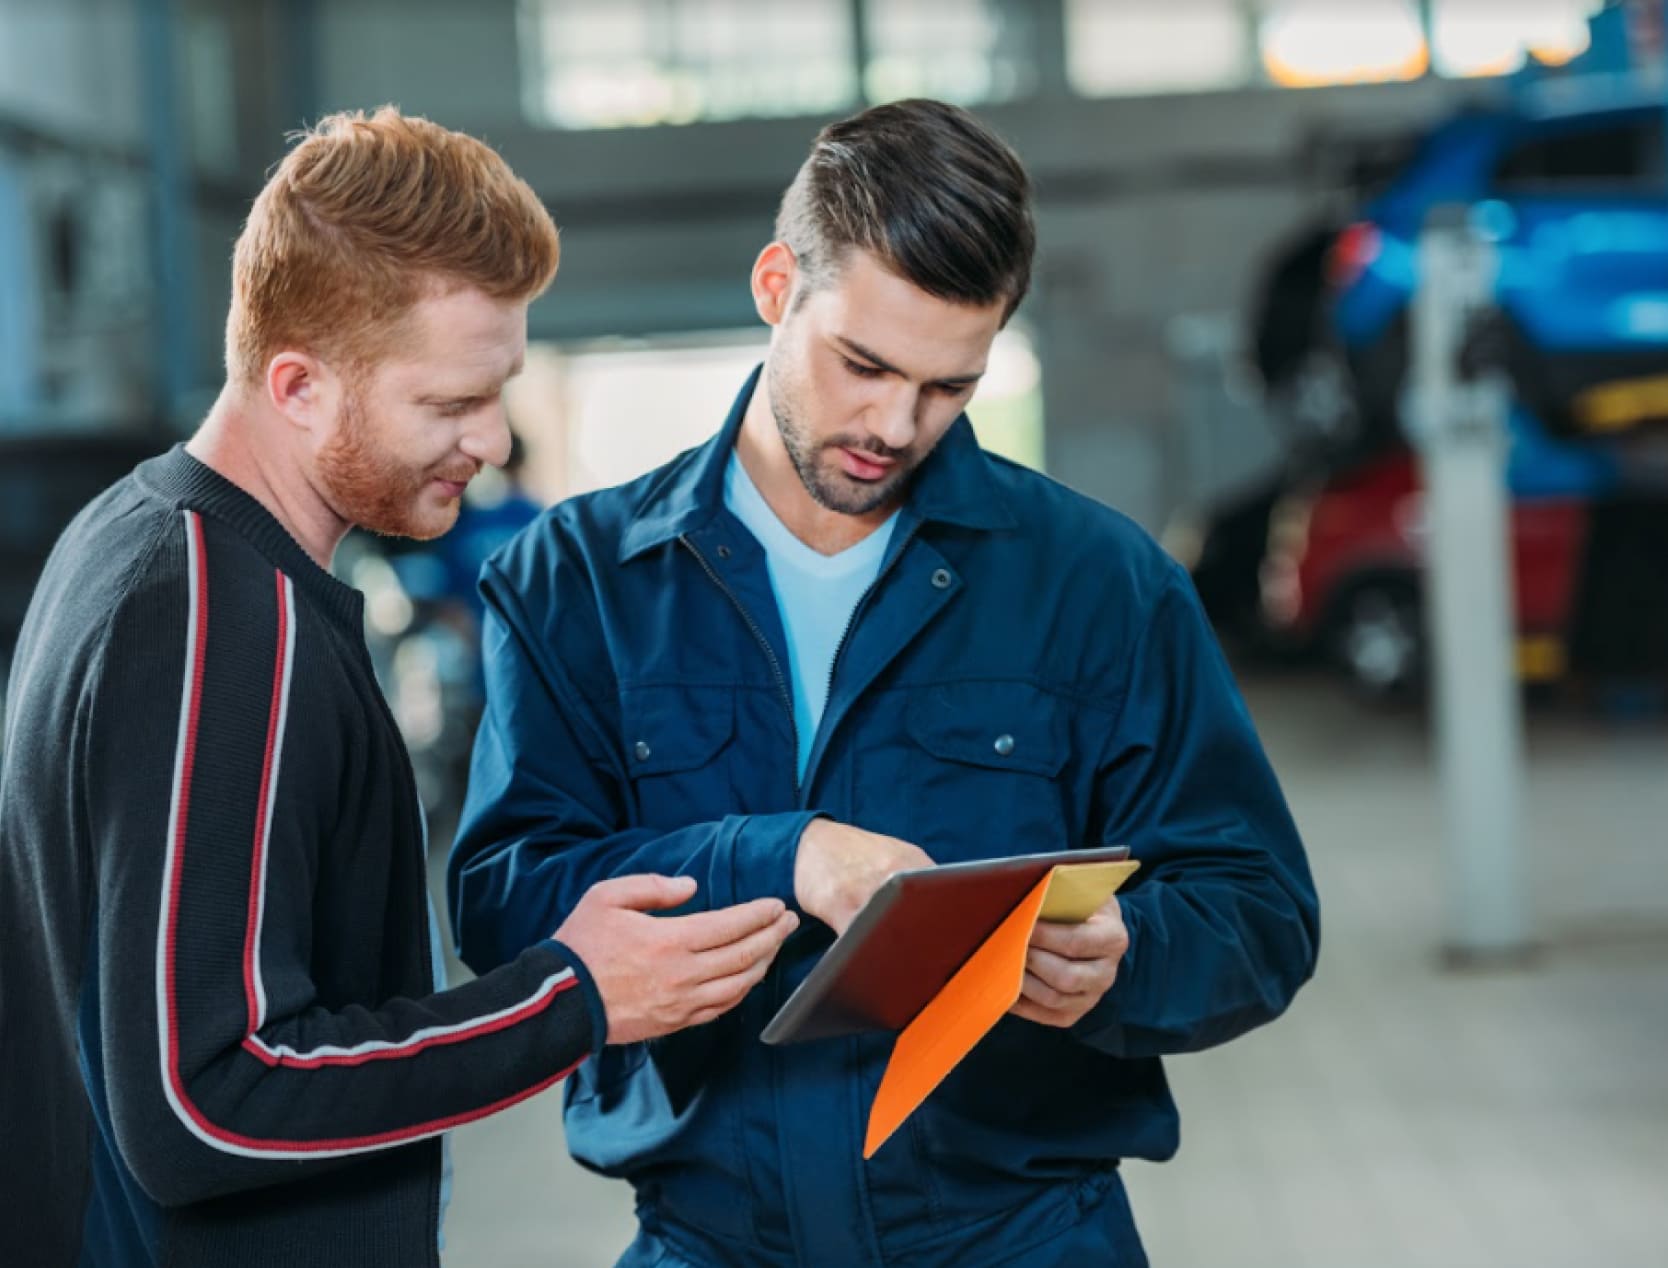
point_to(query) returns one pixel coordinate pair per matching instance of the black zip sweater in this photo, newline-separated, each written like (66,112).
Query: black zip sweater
(219,1039)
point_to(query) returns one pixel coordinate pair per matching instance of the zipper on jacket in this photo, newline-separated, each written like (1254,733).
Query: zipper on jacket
(770,654)
(857,610)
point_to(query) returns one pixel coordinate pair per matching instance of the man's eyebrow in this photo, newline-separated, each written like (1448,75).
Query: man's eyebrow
(955,380)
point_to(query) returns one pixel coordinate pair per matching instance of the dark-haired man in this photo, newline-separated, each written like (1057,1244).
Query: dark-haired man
(840,640)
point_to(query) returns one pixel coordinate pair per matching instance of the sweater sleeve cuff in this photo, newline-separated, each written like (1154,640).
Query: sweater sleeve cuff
(593,997)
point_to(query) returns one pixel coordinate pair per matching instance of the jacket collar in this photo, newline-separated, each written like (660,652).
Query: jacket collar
(953,486)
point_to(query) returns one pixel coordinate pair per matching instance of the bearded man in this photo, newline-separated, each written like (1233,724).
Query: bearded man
(837,641)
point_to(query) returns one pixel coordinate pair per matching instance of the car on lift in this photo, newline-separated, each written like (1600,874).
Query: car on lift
(1574,196)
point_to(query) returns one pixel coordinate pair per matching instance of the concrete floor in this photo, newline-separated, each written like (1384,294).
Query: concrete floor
(1400,1114)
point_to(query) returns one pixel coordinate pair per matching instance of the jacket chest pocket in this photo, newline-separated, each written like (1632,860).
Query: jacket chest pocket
(982,770)
(677,744)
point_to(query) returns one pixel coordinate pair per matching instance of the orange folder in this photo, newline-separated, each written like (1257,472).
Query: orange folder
(981,993)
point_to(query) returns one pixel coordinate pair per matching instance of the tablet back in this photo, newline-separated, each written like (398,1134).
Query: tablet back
(908,941)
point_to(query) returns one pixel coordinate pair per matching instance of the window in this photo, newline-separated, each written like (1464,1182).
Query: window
(1312,43)
(966,51)
(599,414)
(1485,37)
(1620,156)
(620,63)
(1132,47)
(1117,47)
(615,63)
(1006,410)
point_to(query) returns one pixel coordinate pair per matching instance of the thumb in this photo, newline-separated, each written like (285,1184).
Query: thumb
(646,892)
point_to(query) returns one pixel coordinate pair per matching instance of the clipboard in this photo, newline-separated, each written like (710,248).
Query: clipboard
(916,933)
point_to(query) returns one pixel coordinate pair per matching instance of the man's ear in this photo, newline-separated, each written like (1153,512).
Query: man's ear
(774,275)
(301,388)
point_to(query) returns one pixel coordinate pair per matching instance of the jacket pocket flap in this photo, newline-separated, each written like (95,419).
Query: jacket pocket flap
(999,725)
(674,728)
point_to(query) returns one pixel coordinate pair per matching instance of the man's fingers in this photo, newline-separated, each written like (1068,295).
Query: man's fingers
(758,948)
(708,929)
(1055,972)
(1069,977)
(724,993)
(705,1015)
(1100,936)
(1061,939)
(646,892)
(1042,994)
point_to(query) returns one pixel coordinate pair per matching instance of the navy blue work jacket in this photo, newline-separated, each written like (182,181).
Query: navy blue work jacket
(1029,672)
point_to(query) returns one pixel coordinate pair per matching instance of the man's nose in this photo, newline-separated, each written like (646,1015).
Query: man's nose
(893,420)
(488,442)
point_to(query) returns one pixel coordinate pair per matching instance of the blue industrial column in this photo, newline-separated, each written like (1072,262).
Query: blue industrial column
(20,303)
(173,228)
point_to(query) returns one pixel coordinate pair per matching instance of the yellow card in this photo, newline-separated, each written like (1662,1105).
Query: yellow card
(1077,890)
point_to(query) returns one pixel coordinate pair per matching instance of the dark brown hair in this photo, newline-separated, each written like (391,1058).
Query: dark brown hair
(926,188)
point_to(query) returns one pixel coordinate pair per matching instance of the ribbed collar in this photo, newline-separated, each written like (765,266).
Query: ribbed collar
(185,481)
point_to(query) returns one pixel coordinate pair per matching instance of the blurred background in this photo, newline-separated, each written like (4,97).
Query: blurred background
(1233,337)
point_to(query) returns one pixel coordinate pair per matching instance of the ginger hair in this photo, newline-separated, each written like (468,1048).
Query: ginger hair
(364,216)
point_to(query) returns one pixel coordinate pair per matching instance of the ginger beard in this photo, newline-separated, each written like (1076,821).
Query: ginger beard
(370,485)
(817,461)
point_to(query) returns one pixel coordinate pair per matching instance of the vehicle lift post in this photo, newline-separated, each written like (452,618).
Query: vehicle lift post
(1456,410)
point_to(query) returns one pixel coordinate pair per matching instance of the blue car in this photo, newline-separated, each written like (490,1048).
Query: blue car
(1569,178)
(1576,199)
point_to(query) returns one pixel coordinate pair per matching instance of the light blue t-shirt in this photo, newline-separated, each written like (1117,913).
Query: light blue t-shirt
(815,593)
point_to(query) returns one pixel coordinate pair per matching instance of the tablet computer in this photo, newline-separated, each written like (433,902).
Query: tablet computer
(912,935)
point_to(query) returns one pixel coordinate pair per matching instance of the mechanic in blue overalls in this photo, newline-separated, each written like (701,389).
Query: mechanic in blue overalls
(840,640)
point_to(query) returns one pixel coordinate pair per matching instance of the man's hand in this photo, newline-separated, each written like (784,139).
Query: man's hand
(1069,968)
(657,974)
(838,867)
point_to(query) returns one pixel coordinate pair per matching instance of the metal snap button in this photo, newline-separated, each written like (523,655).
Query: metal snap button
(642,750)
(723,552)
(941,579)
(1004,745)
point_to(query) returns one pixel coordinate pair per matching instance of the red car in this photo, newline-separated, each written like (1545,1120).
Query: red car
(1345,565)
